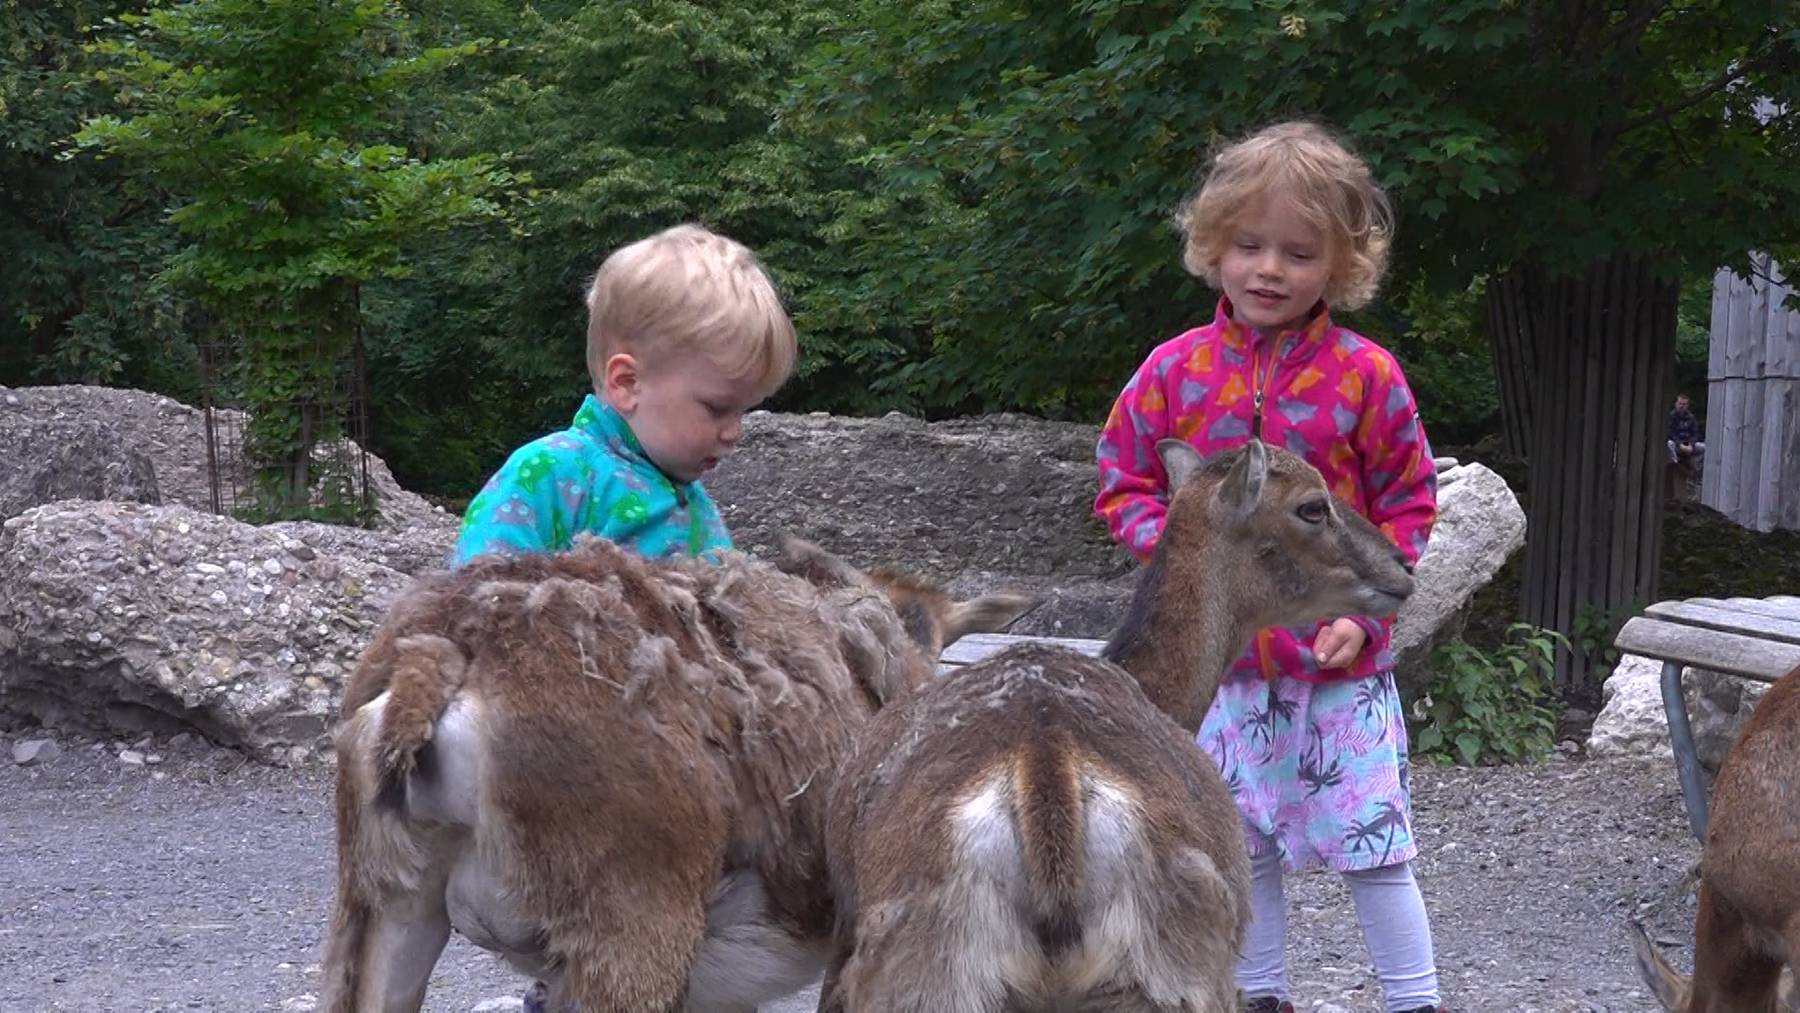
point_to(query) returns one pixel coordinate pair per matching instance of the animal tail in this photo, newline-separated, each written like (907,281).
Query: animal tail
(1667,984)
(428,670)
(1049,809)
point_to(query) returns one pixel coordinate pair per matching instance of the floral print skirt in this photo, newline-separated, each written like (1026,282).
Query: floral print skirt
(1319,770)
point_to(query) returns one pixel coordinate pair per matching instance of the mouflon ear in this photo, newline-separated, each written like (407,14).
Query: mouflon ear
(1242,489)
(1179,459)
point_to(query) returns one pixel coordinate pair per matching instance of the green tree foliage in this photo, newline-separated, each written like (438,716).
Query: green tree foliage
(1439,338)
(285,186)
(628,117)
(79,296)
(1060,138)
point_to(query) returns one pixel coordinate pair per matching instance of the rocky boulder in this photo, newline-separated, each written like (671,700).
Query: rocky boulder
(122,617)
(1001,501)
(1632,722)
(1479,526)
(82,442)
(68,455)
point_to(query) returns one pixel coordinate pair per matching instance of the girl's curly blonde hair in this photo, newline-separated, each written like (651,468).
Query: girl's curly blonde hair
(1330,186)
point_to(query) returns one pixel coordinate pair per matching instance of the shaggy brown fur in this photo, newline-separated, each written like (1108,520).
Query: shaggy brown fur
(1038,831)
(1747,925)
(612,771)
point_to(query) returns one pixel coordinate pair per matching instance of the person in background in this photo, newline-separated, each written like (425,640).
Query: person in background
(1684,434)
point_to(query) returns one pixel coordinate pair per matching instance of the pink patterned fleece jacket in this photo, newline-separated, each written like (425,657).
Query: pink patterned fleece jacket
(1326,393)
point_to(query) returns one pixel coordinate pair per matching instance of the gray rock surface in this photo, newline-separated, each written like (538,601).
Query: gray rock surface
(1719,704)
(206,888)
(1005,493)
(49,459)
(1632,721)
(127,617)
(141,447)
(1479,526)
(33,751)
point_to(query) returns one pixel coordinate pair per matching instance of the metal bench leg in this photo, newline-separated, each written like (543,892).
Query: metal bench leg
(1681,737)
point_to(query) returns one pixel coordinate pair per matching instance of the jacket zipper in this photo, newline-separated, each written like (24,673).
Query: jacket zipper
(696,529)
(1259,380)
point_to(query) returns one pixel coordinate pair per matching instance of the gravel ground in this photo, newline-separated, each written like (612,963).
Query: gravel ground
(202,882)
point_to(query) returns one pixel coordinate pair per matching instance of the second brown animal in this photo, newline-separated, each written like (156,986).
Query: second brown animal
(1039,831)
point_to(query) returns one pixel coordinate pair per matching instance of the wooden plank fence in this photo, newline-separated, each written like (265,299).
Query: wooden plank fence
(1752,467)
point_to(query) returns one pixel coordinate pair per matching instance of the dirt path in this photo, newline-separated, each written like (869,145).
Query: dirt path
(206,888)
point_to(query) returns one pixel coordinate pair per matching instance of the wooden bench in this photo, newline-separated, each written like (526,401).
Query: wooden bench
(1752,638)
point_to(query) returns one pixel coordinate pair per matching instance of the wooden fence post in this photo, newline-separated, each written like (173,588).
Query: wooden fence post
(1752,464)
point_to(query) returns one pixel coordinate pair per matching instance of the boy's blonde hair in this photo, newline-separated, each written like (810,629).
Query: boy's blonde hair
(1330,186)
(688,288)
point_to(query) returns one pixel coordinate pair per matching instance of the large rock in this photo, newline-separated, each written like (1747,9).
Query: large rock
(1632,721)
(67,456)
(121,617)
(984,504)
(412,551)
(122,430)
(1006,493)
(1479,526)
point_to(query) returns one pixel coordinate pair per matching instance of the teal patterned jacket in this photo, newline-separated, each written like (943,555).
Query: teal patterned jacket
(592,477)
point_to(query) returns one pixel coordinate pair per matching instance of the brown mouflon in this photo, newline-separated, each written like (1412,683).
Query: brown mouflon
(612,771)
(1039,831)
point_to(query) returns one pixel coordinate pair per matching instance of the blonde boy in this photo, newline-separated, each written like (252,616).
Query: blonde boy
(685,334)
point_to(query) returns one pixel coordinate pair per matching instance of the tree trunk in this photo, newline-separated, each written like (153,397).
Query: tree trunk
(1512,337)
(1601,351)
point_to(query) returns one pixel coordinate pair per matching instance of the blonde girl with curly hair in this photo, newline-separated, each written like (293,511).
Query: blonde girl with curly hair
(1307,727)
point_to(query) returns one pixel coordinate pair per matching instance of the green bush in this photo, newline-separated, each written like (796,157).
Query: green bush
(1490,706)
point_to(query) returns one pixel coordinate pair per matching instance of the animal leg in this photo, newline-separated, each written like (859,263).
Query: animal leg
(925,964)
(1787,993)
(628,947)
(747,958)
(404,938)
(1132,999)
(831,996)
(1125,999)
(1731,973)
(1177,939)
(389,922)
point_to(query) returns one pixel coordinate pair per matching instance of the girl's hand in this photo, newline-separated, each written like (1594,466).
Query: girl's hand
(1338,644)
